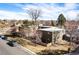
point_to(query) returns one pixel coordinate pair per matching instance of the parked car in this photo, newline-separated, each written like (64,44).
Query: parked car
(11,43)
(3,37)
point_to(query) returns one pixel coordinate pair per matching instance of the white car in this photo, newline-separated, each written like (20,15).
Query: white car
(3,37)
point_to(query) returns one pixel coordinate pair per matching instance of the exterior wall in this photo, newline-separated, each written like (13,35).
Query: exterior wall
(48,35)
(61,34)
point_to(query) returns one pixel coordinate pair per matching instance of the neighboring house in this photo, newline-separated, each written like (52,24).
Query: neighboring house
(71,25)
(73,28)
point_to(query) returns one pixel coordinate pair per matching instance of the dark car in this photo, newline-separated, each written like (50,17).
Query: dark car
(11,43)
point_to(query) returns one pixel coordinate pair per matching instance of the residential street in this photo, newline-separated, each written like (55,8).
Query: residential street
(8,50)
(75,52)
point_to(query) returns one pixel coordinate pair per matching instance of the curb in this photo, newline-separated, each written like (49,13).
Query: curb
(25,49)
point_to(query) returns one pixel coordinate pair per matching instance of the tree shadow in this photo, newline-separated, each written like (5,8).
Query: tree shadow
(13,36)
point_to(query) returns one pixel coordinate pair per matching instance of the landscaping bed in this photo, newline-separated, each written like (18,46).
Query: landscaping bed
(56,49)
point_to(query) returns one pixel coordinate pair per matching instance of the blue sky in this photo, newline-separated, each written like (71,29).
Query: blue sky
(49,10)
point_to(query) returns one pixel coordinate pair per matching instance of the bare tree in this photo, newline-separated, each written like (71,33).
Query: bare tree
(34,14)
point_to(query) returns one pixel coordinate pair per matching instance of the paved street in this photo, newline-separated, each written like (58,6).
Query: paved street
(75,52)
(8,50)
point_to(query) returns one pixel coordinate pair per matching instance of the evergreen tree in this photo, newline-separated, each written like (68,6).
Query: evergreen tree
(61,20)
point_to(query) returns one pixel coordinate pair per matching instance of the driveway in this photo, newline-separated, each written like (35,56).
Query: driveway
(8,50)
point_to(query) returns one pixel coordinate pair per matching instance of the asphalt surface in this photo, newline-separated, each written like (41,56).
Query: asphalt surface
(8,50)
(75,52)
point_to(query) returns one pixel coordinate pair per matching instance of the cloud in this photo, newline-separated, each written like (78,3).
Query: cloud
(70,6)
(52,10)
(49,11)
(12,15)
(72,14)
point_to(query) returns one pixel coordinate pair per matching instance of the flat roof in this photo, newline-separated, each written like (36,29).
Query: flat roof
(51,29)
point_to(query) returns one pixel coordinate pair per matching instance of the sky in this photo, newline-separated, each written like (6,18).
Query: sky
(49,11)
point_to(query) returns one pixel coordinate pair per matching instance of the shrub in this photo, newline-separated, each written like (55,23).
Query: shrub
(21,41)
(52,52)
